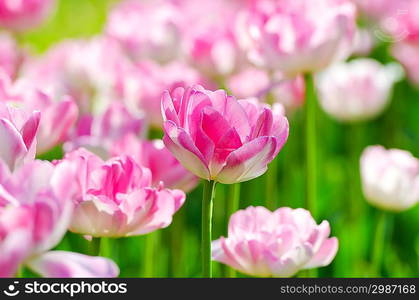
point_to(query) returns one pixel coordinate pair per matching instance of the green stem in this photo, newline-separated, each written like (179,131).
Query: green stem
(233,204)
(311,164)
(177,234)
(207,200)
(94,246)
(149,254)
(271,186)
(105,247)
(379,243)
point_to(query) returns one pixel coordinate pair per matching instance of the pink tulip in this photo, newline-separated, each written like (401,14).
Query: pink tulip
(208,35)
(18,129)
(86,70)
(390,178)
(35,211)
(11,56)
(279,244)
(146,29)
(400,20)
(297,36)
(357,90)
(219,138)
(24,14)
(363,43)
(115,198)
(154,155)
(98,133)
(254,82)
(58,117)
(141,88)
(408,55)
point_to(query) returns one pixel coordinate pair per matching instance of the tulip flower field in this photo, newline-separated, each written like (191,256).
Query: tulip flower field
(222,138)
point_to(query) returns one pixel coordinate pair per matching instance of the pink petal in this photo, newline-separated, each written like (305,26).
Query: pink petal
(249,161)
(325,254)
(12,146)
(14,248)
(63,264)
(56,122)
(30,129)
(183,148)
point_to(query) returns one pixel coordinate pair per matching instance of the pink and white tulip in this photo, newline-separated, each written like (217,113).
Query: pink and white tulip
(18,129)
(11,57)
(154,155)
(408,55)
(358,90)
(217,137)
(275,244)
(141,88)
(390,178)
(297,36)
(208,36)
(115,198)
(99,132)
(254,82)
(24,14)
(146,29)
(86,70)
(35,211)
(58,117)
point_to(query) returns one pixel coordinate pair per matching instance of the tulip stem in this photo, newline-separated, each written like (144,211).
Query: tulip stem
(233,204)
(150,247)
(271,185)
(206,234)
(379,242)
(310,156)
(94,246)
(105,247)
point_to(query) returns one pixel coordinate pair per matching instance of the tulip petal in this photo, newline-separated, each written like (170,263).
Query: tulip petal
(249,161)
(12,146)
(13,251)
(183,148)
(30,129)
(64,264)
(324,255)
(56,121)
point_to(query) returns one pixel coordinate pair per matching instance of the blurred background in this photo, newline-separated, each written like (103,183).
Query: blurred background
(340,199)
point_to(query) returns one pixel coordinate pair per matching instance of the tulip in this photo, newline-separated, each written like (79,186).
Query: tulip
(98,132)
(154,155)
(408,55)
(254,82)
(58,117)
(363,42)
(357,90)
(85,70)
(115,198)
(219,138)
(222,140)
(279,244)
(208,36)
(24,14)
(390,178)
(35,211)
(297,36)
(146,29)
(18,129)
(11,56)
(141,88)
